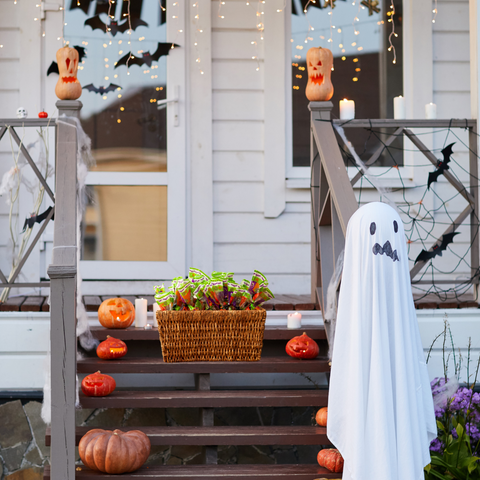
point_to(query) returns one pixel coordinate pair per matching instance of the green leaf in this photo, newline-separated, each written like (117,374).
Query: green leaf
(454,422)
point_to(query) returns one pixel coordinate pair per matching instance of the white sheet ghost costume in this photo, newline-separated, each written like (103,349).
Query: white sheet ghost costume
(380,408)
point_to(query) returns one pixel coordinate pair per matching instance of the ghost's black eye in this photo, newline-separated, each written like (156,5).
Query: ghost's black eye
(373,228)
(395,226)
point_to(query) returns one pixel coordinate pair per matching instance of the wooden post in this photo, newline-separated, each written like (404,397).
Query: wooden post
(62,272)
(474,222)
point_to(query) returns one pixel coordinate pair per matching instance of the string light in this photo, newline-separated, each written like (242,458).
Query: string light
(220,3)
(435,11)
(391,14)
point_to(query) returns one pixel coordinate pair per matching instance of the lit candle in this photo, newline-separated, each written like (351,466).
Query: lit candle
(347,109)
(294,320)
(430,111)
(140,312)
(155,308)
(399,108)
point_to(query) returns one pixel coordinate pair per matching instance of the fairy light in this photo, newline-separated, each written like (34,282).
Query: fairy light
(435,11)
(220,3)
(391,48)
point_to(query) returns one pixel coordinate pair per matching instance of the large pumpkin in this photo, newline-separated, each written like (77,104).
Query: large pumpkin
(111,348)
(116,313)
(321,417)
(302,347)
(68,87)
(319,67)
(114,452)
(98,385)
(331,459)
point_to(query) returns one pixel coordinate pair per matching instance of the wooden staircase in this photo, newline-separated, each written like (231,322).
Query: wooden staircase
(144,357)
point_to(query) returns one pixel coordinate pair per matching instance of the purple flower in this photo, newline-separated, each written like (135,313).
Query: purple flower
(437,446)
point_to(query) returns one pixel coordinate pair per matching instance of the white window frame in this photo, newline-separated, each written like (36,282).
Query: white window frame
(174,178)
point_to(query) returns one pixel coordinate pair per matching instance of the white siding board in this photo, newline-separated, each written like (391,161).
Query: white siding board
(9,102)
(31,366)
(241,197)
(237,15)
(255,228)
(237,105)
(231,136)
(452,104)
(272,258)
(237,75)
(299,195)
(9,73)
(10,39)
(451,17)
(236,45)
(451,46)
(448,76)
(9,16)
(238,166)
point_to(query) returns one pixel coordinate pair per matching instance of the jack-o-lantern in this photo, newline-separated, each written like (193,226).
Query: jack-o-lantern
(116,313)
(319,66)
(68,87)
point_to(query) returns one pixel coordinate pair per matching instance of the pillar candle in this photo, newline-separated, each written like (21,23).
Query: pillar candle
(294,320)
(347,109)
(140,312)
(155,308)
(399,108)
(430,111)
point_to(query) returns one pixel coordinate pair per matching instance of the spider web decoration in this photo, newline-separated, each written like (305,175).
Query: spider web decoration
(437,220)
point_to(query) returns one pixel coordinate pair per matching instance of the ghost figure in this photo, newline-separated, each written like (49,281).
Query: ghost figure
(380,408)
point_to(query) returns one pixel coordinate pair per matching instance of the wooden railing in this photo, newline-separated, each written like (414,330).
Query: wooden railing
(334,202)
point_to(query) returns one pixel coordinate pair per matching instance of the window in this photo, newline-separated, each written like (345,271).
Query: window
(134,221)
(363,69)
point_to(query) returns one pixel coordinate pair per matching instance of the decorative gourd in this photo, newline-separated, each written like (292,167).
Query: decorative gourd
(321,417)
(319,67)
(114,452)
(98,385)
(302,347)
(68,87)
(111,348)
(42,115)
(331,459)
(116,313)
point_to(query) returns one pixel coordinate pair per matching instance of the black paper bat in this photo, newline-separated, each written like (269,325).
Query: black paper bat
(441,166)
(146,58)
(30,222)
(101,90)
(53,68)
(437,249)
(114,27)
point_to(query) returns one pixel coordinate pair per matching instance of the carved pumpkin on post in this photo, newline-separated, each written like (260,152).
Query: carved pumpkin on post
(68,87)
(319,67)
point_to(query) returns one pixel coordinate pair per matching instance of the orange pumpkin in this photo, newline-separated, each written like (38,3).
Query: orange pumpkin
(319,67)
(302,347)
(114,452)
(68,87)
(321,417)
(98,385)
(111,348)
(331,459)
(116,313)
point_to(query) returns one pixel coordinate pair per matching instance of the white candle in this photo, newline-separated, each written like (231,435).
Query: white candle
(140,312)
(294,320)
(399,108)
(430,111)
(155,308)
(347,109)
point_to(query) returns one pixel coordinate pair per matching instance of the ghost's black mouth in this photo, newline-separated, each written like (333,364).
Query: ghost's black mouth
(386,249)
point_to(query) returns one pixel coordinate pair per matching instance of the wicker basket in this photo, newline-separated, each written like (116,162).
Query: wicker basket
(211,336)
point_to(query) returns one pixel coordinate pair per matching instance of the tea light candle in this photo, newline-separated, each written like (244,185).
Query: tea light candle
(147,327)
(399,108)
(347,109)
(430,111)
(140,312)
(155,308)
(294,320)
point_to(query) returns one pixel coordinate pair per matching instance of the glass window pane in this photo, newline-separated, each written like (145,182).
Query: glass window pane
(363,69)
(125,223)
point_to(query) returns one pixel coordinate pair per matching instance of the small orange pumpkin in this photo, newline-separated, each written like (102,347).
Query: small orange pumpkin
(111,348)
(116,313)
(321,417)
(302,347)
(331,459)
(68,87)
(114,452)
(319,67)
(98,385)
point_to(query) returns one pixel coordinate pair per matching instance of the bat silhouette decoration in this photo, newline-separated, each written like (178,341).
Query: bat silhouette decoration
(437,249)
(113,27)
(101,90)
(53,68)
(146,58)
(31,221)
(441,166)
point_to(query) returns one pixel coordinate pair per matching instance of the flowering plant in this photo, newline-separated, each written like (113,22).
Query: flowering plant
(455,453)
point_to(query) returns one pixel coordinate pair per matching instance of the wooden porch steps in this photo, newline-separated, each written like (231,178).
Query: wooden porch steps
(291,435)
(216,472)
(208,399)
